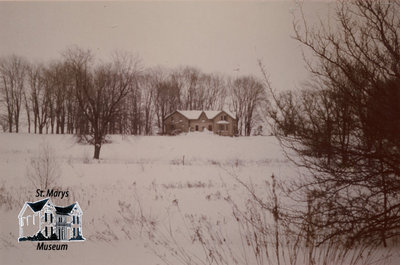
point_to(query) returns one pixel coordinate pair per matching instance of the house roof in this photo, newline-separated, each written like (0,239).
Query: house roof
(64,210)
(37,206)
(195,114)
(233,115)
(190,114)
(211,113)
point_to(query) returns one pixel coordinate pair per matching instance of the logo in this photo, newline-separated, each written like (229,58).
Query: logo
(43,221)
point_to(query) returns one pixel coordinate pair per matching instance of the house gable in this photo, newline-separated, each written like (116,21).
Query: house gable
(73,209)
(211,113)
(203,117)
(35,206)
(230,114)
(225,123)
(25,211)
(176,123)
(77,209)
(22,212)
(64,210)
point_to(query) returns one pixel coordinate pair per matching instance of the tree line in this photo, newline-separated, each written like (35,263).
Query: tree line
(79,94)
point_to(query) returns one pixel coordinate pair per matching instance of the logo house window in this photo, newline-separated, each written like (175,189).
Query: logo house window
(48,217)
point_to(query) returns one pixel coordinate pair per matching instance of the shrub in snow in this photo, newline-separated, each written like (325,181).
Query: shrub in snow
(44,170)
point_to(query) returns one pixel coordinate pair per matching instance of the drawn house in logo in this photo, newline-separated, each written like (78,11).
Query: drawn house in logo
(42,221)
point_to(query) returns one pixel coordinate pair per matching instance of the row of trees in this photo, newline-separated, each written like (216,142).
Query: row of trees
(77,94)
(344,126)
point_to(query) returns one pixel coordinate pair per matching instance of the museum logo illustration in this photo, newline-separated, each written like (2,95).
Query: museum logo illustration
(44,221)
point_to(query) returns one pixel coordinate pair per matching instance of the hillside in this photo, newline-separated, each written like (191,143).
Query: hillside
(192,172)
(146,196)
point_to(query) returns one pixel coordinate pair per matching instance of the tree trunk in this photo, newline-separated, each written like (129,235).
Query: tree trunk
(9,126)
(29,120)
(62,125)
(52,125)
(57,125)
(97,148)
(35,123)
(17,123)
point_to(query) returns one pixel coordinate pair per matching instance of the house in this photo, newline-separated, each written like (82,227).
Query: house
(53,222)
(220,122)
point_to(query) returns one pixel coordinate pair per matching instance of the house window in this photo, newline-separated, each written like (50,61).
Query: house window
(51,218)
(223,127)
(45,217)
(223,118)
(73,221)
(74,231)
(77,220)
(45,231)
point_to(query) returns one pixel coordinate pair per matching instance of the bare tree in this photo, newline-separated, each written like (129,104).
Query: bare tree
(134,107)
(167,95)
(59,83)
(148,84)
(288,112)
(191,92)
(167,98)
(28,107)
(347,125)
(199,91)
(215,91)
(247,94)
(38,96)
(12,74)
(44,171)
(100,90)
(3,122)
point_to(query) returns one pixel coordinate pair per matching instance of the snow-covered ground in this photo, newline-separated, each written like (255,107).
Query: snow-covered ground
(156,180)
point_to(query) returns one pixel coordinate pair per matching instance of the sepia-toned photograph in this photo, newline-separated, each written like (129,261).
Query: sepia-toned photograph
(200,132)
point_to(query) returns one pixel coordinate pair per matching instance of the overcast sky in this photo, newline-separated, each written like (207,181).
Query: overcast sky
(213,36)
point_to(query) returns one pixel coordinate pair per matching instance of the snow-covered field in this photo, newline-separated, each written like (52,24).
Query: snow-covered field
(139,181)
